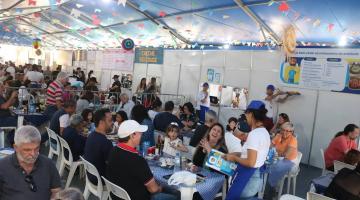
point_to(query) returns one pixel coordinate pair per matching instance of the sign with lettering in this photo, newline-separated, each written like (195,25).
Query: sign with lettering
(149,55)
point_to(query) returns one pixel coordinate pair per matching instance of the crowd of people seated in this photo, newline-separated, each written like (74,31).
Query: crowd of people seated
(246,140)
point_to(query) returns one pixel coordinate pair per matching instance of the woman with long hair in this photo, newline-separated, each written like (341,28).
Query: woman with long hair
(247,177)
(214,139)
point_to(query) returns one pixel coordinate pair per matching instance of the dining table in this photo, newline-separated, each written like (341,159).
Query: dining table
(212,183)
(4,152)
(35,118)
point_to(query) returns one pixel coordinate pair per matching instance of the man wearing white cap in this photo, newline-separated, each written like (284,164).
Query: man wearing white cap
(127,169)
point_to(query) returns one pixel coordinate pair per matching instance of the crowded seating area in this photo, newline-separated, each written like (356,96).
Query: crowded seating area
(207,121)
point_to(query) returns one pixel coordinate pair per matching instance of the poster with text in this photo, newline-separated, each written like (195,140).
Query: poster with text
(118,59)
(322,69)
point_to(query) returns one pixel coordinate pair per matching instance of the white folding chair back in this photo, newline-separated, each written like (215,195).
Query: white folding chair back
(54,150)
(291,176)
(97,190)
(315,196)
(290,197)
(323,162)
(67,162)
(2,134)
(340,165)
(116,190)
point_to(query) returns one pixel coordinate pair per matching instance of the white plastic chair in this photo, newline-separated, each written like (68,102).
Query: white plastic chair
(97,190)
(291,176)
(324,170)
(315,196)
(340,165)
(290,197)
(52,150)
(116,190)
(2,134)
(69,162)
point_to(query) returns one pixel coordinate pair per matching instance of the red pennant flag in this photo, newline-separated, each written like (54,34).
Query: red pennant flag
(58,1)
(178,18)
(32,2)
(283,7)
(330,27)
(162,14)
(37,14)
(141,25)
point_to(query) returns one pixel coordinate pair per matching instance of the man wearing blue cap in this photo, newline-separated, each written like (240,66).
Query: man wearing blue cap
(272,95)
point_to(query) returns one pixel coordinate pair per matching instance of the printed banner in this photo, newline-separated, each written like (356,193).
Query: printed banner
(323,69)
(118,59)
(149,55)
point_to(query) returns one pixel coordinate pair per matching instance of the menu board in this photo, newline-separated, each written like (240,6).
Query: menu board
(322,69)
(215,161)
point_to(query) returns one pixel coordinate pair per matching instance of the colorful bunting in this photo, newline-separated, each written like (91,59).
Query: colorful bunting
(31,2)
(162,14)
(123,2)
(330,27)
(283,7)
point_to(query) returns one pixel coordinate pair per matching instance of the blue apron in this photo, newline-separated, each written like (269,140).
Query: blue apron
(241,178)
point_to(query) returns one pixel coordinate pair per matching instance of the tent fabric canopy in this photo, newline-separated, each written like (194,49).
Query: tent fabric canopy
(90,24)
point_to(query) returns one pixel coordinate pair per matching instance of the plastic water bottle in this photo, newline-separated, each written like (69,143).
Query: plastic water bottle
(177,163)
(145,146)
(271,155)
(32,107)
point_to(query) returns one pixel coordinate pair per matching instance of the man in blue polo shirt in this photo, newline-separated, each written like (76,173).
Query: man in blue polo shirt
(163,120)
(129,170)
(97,146)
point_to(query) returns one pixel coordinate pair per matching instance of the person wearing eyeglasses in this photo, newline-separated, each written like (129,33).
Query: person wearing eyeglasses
(26,174)
(286,147)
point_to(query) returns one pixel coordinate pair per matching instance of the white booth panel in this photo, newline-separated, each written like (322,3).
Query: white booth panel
(170,79)
(189,82)
(154,71)
(191,58)
(235,59)
(301,111)
(237,77)
(259,81)
(105,79)
(172,57)
(213,58)
(138,74)
(266,60)
(335,111)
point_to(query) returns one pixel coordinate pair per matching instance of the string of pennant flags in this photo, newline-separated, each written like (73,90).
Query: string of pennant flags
(96,20)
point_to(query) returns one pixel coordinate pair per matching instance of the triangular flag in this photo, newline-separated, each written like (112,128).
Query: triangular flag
(283,7)
(31,2)
(123,2)
(330,27)
(143,7)
(162,14)
(141,25)
(52,4)
(18,10)
(225,16)
(79,5)
(316,23)
(114,14)
(75,13)
(37,15)
(179,18)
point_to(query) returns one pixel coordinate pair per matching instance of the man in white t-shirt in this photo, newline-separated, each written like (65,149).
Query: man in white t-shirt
(34,75)
(203,102)
(11,70)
